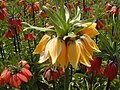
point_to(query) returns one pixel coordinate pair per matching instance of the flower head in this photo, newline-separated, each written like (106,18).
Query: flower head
(29,36)
(16,77)
(111,70)
(51,74)
(95,68)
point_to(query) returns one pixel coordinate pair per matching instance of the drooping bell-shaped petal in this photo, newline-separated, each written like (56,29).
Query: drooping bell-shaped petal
(42,44)
(89,44)
(62,58)
(85,56)
(95,66)
(111,70)
(55,49)
(90,29)
(45,54)
(73,53)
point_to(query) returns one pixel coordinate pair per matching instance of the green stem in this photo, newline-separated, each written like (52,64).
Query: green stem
(33,16)
(66,79)
(71,75)
(91,85)
(14,42)
(1,52)
(30,51)
(53,85)
(108,84)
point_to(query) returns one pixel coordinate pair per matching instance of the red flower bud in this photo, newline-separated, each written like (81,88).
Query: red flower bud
(95,66)
(111,70)
(30,36)
(101,24)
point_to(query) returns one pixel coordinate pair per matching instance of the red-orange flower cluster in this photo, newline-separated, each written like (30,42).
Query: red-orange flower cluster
(15,25)
(3,12)
(112,9)
(35,7)
(95,68)
(29,36)
(101,24)
(16,78)
(111,70)
(51,74)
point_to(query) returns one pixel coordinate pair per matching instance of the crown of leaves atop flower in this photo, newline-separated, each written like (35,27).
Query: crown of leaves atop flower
(64,24)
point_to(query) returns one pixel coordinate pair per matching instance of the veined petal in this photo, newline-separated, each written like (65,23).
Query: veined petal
(85,56)
(42,44)
(73,53)
(91,30)
(89,44)
(55,49)
(62,58)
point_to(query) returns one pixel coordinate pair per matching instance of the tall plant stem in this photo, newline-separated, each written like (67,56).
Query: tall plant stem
(53,85)
(30,51)
(91,85)
(71,74)
(66,79)
(14,42)
(108,84)
(18,44)
(1,52)
(34,21)
(83,4)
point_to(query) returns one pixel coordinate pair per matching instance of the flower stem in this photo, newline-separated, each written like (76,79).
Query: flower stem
(66,79)
(71,74)
(18,44)
(1,52)
(33,16)
(91,85)
(30,50)
(83,4)
(53,85)
(14,42)
(108,84)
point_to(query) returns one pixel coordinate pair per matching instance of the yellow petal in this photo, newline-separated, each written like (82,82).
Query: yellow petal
(91,30)
(42,44)
(89,44)
(84,55)
(73,53)
(62,58)
(55,49)
(45,54)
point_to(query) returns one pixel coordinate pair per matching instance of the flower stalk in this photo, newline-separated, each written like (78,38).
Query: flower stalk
(30,51)
(108,84)
(66,79)
(1,52)
(33,16)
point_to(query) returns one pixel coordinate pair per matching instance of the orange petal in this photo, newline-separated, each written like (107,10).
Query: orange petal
(42,44)
(90,30)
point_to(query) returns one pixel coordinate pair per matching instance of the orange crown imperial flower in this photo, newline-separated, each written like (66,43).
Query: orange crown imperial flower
(16,78)
(70,41)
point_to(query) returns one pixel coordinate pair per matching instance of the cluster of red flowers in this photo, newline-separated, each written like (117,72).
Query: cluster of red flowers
(110,71)
(51,74)
(15,27)
(101,24)
(95,68)
(112,9)
(29,36)
(17,77)
(3,12)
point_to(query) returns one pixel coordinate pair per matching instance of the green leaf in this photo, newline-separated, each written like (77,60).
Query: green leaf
(52,16)
(67,14)
(38,28)
(71,34)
